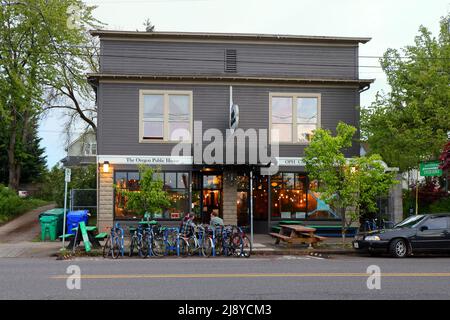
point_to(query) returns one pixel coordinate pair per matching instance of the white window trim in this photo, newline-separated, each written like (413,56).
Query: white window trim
(166,94)
(87,148)
(295,97)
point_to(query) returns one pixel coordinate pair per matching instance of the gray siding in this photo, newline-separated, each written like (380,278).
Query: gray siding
(188,58)
(118,132)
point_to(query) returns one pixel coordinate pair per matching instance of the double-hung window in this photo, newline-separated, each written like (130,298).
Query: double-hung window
(294,117)
(165,116)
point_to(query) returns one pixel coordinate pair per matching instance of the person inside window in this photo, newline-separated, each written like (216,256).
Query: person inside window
(216,221)
(187,225)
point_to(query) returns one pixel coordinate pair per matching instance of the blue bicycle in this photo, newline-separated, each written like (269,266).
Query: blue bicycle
(114,244)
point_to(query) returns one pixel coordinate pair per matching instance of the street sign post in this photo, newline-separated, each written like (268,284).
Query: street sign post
(67,177)
(430,169)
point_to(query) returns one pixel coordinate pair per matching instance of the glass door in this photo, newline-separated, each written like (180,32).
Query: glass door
(211,196)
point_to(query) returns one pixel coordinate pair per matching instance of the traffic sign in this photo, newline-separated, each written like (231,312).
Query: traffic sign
(430,169)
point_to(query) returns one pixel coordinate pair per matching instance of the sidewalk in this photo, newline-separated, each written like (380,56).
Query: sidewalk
(17,237)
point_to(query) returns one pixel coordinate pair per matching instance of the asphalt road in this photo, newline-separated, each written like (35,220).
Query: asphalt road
(275,277)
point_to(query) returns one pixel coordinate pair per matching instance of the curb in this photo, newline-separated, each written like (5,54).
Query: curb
(317,253)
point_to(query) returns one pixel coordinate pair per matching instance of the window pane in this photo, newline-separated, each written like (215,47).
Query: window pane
(170,180)
(154,107)
(178,108)
(305,131)
(158,176)
(281,110)
(179,131)
(153,129)
(288,180)
(307,110)
(182,180)
(94,149)
(284,132)
(436,223)
(133,181)
(121,180)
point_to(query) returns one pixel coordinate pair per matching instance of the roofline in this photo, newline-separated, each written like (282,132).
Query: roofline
(96,77)
(212,36)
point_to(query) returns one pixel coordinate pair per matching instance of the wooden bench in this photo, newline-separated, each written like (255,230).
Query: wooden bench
(280,236)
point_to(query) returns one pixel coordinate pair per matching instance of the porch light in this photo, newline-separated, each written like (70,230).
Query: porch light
(106,166)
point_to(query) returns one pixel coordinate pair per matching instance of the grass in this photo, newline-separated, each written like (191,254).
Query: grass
(19,207)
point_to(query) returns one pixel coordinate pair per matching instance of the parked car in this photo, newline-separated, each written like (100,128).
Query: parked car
(420,233)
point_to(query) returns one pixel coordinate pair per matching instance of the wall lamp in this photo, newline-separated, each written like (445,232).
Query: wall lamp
(105,166)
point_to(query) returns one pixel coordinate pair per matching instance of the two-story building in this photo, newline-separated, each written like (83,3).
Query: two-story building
(157,88)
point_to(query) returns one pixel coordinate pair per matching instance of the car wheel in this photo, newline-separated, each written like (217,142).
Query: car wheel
(398,248)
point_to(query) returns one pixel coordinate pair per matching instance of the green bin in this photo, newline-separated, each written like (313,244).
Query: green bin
(59,214)
(49,226)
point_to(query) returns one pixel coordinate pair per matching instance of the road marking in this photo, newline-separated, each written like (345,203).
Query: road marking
(250,275)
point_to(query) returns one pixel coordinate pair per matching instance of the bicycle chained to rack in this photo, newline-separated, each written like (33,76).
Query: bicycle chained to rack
(155,240)
(114,244)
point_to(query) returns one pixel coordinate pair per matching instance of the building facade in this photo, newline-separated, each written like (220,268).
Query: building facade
(82,151)
(157,88)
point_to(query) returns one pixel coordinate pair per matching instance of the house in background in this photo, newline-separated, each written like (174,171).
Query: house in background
(82,151)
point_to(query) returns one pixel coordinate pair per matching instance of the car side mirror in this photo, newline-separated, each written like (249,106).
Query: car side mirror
(423,228)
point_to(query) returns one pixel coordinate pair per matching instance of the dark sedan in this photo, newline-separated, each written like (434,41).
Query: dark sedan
(420,233)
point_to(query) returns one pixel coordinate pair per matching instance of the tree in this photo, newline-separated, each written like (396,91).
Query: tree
(35,38)
(346,184)
(151,197)
(409,124)
(149,27)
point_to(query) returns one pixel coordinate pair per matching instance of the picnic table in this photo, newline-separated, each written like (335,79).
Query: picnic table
(297,234)
(92,237)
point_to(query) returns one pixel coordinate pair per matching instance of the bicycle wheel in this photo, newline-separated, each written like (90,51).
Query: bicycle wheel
(158,246)
(236,244)
(107,247)
(144,247)
(133,244)
(207,247)
(184,247)
(115,247)
(246,247)
(193,246)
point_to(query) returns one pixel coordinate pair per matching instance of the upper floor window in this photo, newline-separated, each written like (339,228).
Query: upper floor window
(294,116)
(90,149)
(165,115)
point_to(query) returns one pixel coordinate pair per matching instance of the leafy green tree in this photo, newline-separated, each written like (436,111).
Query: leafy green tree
(346,184)
(409,124)
(151,197)
(34,37)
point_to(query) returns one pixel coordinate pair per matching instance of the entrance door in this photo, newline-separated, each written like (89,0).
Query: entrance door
(211,196)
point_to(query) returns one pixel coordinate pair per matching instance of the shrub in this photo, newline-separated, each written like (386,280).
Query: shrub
(11,205)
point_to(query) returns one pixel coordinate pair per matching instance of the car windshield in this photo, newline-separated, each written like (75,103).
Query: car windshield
(410,222)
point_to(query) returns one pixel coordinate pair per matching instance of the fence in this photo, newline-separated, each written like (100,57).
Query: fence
(83,199)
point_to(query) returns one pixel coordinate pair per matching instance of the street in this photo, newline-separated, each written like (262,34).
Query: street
(273,277)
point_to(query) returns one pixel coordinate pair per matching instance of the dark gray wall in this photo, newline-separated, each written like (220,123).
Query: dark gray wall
(187,58)
(118,118)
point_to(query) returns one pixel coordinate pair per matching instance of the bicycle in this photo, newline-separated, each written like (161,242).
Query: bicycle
(114,244)
(137,241)
(241,243)
(199,241)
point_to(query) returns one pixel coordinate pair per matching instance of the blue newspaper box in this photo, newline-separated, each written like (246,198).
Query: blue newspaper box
(74,218)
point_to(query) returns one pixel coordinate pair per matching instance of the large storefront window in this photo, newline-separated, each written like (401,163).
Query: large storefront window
(175,183)
(293,197)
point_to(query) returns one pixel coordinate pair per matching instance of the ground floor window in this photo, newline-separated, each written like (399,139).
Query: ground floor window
(293,196)
(175,183)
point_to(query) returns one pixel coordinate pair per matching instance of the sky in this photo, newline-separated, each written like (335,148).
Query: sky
(390,24)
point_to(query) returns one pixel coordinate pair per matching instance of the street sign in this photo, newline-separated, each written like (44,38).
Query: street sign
(68,175)
(430,169)
(234,117)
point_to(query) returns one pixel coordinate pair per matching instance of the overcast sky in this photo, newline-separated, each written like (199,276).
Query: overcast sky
(390,24)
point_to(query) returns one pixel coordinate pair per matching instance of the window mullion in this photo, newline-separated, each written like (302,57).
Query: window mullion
(294,119)
(166,117)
